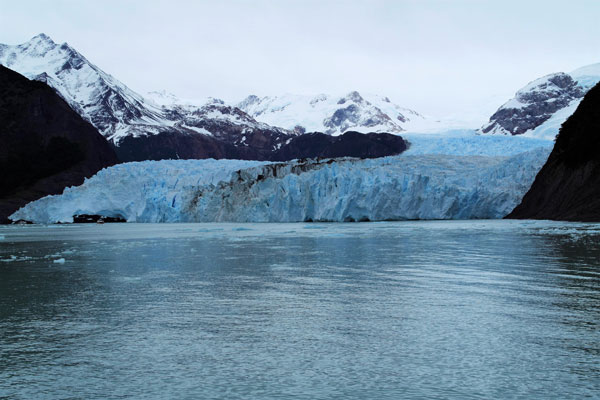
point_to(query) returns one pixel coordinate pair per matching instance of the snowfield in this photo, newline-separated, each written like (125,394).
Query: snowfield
(478,177)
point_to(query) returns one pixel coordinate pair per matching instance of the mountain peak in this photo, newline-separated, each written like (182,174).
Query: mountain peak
(354,96)
(39,44)
(41,37)
(248,101)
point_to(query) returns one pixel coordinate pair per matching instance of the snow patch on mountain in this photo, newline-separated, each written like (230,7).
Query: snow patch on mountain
(334,114)
(540,108)
(534,104)
(588,76)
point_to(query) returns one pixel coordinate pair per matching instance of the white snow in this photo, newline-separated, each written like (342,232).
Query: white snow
(197,130)
(83,85)
(424,183)
(587,76)
(314,113)
(167,99)
(550,128)
(114,109)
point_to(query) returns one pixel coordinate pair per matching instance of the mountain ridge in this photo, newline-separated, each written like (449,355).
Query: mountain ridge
(162,126)
(539,108)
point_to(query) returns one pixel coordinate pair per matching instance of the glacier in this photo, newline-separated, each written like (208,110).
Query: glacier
(469,142)
(480,177)
(146,191)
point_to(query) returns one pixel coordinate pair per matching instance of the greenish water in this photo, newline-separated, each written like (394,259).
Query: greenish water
(484,309)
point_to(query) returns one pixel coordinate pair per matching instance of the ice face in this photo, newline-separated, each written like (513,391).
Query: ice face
(392,188)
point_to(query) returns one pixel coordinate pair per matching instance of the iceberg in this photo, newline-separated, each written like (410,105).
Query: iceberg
(405,187)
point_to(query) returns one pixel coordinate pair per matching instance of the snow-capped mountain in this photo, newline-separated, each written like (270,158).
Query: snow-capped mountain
(540,108)
(109,105)
(161,125)
(333,115)
(125,117)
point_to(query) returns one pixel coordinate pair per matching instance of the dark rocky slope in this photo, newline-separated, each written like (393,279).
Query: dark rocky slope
(568,186)
(45,145)
(258,146)
(350,144)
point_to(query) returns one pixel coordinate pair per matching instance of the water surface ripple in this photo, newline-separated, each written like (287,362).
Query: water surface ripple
(466,310)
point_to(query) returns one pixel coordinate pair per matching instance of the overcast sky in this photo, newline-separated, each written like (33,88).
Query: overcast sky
(461,58)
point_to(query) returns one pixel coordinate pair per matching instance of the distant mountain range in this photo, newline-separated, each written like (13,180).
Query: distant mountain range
(332,115)
(161,126)
(139,128)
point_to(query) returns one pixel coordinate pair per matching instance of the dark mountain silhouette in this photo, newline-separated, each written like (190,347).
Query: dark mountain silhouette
(45,145)
(568,186)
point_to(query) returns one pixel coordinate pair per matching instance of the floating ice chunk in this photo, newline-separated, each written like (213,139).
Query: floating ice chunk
(16,258)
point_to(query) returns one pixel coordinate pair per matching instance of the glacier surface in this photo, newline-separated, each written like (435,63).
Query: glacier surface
(461,177)
(468,142)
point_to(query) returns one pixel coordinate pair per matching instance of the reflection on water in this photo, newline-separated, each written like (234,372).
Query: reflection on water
(485,309)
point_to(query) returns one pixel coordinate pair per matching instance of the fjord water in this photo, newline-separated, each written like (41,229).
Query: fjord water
(474,309)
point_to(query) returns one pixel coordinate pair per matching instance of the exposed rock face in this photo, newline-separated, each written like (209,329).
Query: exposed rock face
(534,104)
(168,145)
(45,145)
(352,144)
(568,186)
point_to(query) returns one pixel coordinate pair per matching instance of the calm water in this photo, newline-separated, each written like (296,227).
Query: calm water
(487,309)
